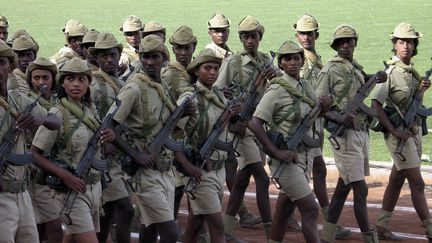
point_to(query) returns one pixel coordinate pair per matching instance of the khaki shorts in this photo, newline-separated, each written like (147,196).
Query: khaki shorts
(85,210)
(249,151)
(17,221)
(352,159)
(155,195)
(116,189)
(46,207)
(411,150)
(209,192)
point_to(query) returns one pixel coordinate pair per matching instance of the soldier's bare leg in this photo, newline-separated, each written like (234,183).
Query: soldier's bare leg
(54,231)
(121,212)
(338,200)
(319,172)
(179,191)
(309,213)
(284,208)
(147,234)
(168,231)
(360,191)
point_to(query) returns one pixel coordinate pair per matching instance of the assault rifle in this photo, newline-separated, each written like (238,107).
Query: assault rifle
(212,142)
(86,162)
(251,102)
(9,139)
(415,108)
(298,137)
(352,107)
(162,138)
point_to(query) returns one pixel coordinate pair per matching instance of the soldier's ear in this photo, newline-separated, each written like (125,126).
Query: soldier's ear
(316,35)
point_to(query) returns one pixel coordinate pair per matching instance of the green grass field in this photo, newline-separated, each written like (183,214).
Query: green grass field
(374,20)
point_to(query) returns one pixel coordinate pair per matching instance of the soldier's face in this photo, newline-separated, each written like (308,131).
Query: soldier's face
(291,64)
(404,48)
(250,41)
(41,78)
(307,39)
(133,38)
(207,73)
(345,47)
(109,60)
(73,43)
(76,86)
(25,58)
(219,35)
(152,63)
(5,69)
(3,33)
(184,53)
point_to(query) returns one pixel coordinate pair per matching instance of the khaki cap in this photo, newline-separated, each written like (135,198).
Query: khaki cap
(41,63)
(89,37)
(152,43)
(206,55)
(23,43)
(218,21)
(289,47)
(74,28)
(306,23)
(405,31)
(131,23)
(19,33)
(105,41)
(74,65)
(153,26)
(183,36)
(250,23)
(6,51)
(343,31)
(4,22)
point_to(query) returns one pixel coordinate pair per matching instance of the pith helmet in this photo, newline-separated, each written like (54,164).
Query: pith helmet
(183,36)
(4,22)
(306,23)
(75,65)
(105,41)
(74,28)
(206,55)
(405,31)
(131,23)
(23,43)
(250,23)
(343,31)
(218,21)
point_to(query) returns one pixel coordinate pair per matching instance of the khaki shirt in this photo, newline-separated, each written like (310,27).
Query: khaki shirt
(176,77)
(210,114)
(143,112)
(311,67)
(18,102)
(62,52)
(399,88)
(219,51)
(342,78)
(103,91)
(128,55)
(16,81)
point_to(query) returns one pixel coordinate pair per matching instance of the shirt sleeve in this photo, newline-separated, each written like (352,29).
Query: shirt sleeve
(227,73)
(44,138)
(267,105)
(129,96)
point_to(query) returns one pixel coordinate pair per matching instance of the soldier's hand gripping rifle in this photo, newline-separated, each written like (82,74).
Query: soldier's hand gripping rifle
(251,102)
(10,137)
(415,109)
(88,161)
(355,105)
(212,142)
(162,138)
(299,136)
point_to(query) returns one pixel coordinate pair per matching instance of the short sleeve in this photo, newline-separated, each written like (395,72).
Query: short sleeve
(44,138)
(128,96)
(267,105)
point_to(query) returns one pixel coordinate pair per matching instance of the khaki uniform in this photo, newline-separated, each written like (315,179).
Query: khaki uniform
(85,210)
(104,89)
(176,77)
(63,52)
(399,91)
(18,221)
(219,51)
(209,192)
(17,80)
(128,55)
(276,103)
(344,78)
(144,112)
(240,71)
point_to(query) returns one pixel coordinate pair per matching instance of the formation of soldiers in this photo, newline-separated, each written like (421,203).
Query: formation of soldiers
(102,125)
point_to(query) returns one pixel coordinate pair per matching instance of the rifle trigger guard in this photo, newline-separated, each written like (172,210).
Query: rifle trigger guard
(334,142)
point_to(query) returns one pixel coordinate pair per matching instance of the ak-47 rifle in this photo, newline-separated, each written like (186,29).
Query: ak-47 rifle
(162,138)
(415,109)
(87,161)
(299,136)
(9,139)
(251,102)
(212,142)
(353,106)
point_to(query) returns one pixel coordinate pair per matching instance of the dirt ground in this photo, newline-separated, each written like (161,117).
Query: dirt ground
(405,221)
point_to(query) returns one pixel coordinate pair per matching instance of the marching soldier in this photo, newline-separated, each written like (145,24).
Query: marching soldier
(154,28)
(117,207)
(218,30)
(397,94)
(74,32)
(86,43)
(132,27)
